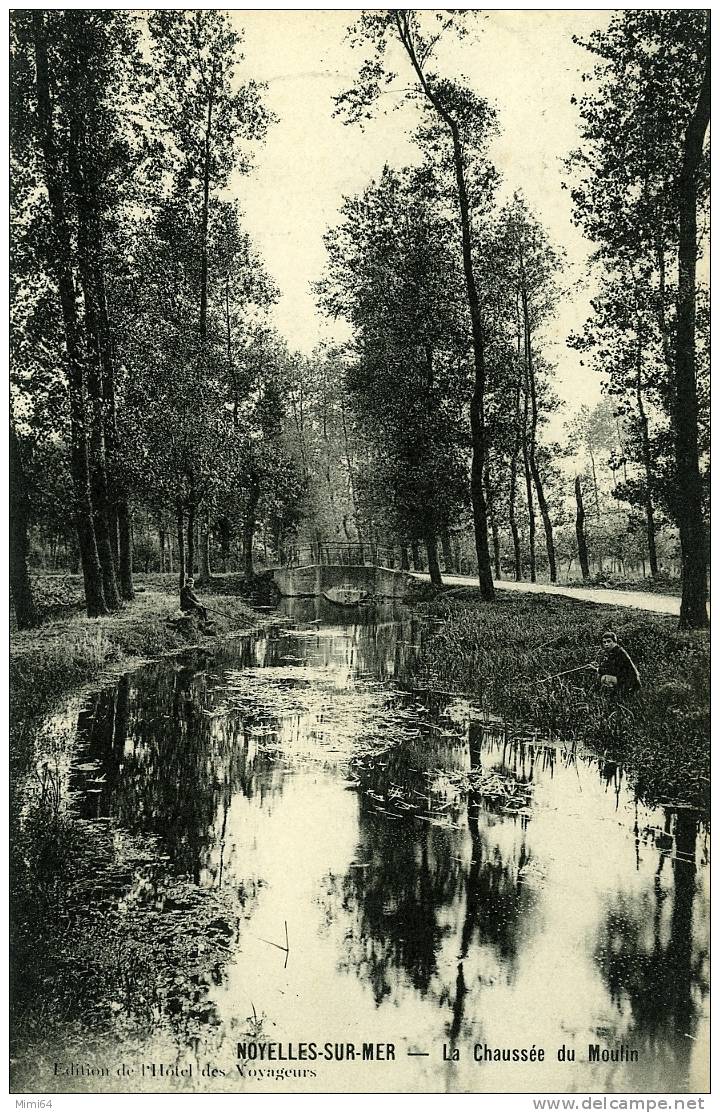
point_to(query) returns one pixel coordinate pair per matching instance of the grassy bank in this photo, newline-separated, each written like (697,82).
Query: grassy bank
(69,649)
(109,942)
(507,654)
(662,584)
(104,939)
(106,942)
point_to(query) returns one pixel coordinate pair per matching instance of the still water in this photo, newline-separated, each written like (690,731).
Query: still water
(380,896)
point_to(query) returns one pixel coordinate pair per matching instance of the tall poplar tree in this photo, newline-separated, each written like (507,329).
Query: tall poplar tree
(390,275)
(457,125)
(205,120)
(641,178)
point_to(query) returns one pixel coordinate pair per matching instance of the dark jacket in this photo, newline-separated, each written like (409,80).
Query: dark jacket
(189,600)
(618,663)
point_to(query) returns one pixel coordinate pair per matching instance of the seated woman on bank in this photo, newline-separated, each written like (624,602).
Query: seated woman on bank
(616,671)
(189,600)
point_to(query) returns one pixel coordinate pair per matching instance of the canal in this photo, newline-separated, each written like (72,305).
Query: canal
(482,910)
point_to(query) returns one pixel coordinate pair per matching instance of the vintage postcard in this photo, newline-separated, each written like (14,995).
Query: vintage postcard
(359,444)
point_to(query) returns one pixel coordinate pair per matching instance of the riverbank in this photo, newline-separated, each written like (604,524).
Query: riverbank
(501,653)
(134,838)
(70,649)
(507,655)
(92,908)
(175,833)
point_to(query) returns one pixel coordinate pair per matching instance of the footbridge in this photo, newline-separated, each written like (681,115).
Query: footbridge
(312,569)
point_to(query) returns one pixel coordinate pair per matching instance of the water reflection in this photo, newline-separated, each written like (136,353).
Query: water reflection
(654,958)
(294,768)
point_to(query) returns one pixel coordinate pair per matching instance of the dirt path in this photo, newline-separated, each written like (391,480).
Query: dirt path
(642,600)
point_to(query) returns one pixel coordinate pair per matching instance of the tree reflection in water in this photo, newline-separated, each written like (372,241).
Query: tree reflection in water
(418,885)
(170,765)
(439,900)
(393,907)
(654,958)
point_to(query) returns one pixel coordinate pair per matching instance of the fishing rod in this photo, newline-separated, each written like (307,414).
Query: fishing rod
(566,672)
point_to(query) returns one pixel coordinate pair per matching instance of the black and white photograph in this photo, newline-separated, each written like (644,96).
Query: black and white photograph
(359,553)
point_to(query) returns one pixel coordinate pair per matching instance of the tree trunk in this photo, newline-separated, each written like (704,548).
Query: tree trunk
(351,477)
(114,529)
(204,572)
(496,546)
(224,527)
(101,517)
(477,497)
(542,501)
(87,249)
(580,530)
(477,401)
(528,487)
(204,217)
(126,551)
(689,495)
(547,522)
(25,612)
(205,568)
(647,463)
(665,332)
(117,508)
(161,542)
(595,483)
(649,509)
(99,489)
(517,553)
(61,262)
(621,443)
(117,485)
(447,552)
(111,502)
(249,529)
(180,520)
(190,549)
(493,520)
(433,565)
(228,340)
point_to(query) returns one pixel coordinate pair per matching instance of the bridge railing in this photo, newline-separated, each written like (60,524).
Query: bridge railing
(351,553)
